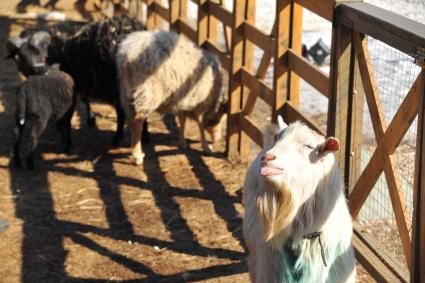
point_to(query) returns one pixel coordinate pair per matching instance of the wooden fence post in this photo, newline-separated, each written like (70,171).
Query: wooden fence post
(417,273)
(296,46)
(183,10)
(340,91)
(346,102)
(281,37)
(174,8)
(152,20)
(233,121)
(212,28)
(202,22)
(248,63)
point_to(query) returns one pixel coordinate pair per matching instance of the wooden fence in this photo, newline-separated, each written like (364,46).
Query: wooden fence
(351,22)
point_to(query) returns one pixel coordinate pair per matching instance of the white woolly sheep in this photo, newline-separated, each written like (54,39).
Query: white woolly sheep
(38,99)
(296,225)
(161,71)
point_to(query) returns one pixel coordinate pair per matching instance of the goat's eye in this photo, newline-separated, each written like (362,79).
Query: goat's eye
(309,146)
(275,136)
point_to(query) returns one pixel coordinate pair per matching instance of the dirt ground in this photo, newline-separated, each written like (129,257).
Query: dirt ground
(92,216)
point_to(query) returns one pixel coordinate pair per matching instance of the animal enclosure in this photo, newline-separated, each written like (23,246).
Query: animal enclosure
(375,105)
(374,92)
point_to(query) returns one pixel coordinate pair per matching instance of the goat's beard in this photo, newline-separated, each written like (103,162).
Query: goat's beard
(276,207)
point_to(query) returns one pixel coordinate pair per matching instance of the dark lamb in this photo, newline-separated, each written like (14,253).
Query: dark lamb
(39,99)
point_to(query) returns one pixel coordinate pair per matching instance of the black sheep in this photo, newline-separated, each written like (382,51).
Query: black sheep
(89,57)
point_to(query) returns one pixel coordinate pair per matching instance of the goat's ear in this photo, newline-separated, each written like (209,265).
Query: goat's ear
(330,144)
(281,123)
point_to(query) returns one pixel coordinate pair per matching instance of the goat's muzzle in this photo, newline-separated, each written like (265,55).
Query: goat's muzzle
(267,157)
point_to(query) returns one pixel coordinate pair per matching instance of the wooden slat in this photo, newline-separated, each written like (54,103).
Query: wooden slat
(248,62)
(372,263)
(313,75)
(235,89)
(391,139)
(257,86)
(258,37)
(202,29)
(340,91)
(291,114)
(174,14)
(183,10)
(418,246)
(151,15)
(187,30)
(373,99)
(222,56)
(226,29)
(395,30)
(261,73)
(221,13)
(397,267)
(323,8)
(280,75)
(249,127)
(161,11)
(296,46)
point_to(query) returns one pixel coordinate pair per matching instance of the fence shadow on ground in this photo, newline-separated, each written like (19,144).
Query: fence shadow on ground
(43,254)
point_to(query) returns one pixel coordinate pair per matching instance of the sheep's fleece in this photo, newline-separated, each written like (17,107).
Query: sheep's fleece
(161,71)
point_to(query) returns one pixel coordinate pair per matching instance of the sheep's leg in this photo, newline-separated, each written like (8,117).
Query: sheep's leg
(205,146)
(16,156)
(182,140)
(119,135)
(136,145)
(65,123)
(37,129)
(145,132)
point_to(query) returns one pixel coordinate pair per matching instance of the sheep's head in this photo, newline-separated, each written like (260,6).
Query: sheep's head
(30,53)
(215,120)
(294,167)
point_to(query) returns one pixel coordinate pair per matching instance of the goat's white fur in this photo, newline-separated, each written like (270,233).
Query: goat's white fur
(280,210)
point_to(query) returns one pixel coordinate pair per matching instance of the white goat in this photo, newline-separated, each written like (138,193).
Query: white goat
(161,71)
(296,225)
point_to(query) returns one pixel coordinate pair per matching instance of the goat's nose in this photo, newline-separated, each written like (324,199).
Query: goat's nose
(268,157)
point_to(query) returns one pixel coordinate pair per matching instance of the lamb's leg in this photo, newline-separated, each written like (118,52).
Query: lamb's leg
(38,127)
(205,146)
(16,156)
(136,145)
(119,135)
(182,140)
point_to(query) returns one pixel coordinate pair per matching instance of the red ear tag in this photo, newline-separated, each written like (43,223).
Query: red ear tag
(332,144)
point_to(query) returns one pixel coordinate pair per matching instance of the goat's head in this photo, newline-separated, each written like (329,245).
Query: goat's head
(296,165)
(298,159)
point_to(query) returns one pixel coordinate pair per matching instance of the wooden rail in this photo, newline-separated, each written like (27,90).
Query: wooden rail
(350,68)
